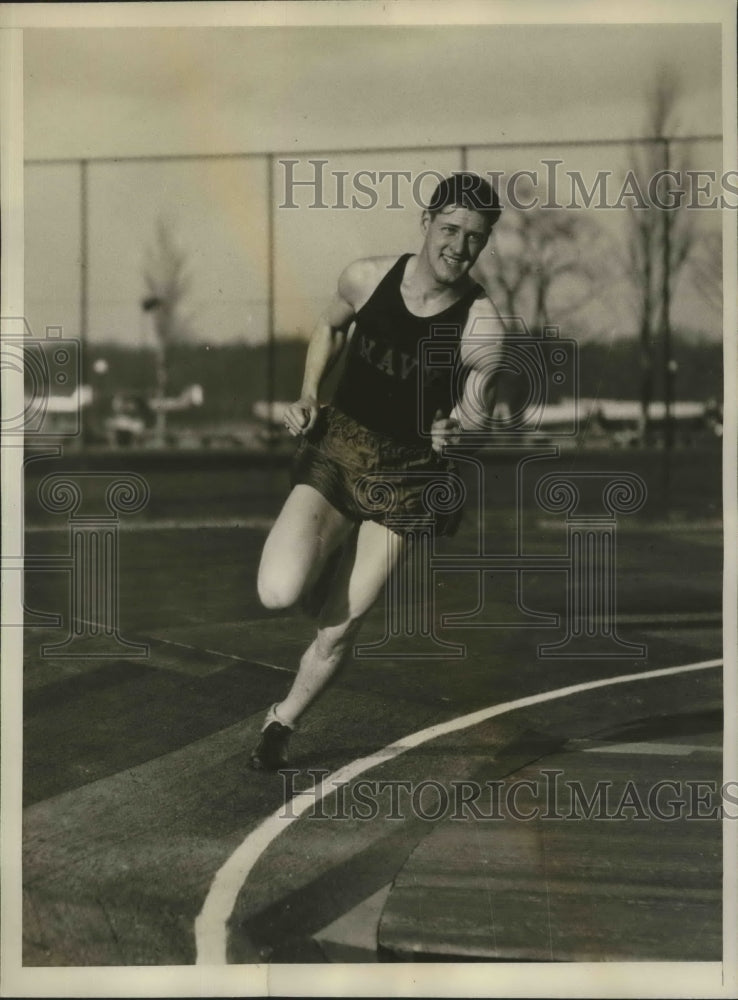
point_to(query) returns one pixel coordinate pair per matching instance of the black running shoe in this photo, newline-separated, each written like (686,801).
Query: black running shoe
(270,753)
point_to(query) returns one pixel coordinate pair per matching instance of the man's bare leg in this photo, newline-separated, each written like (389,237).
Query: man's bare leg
(305,533)
(367,561)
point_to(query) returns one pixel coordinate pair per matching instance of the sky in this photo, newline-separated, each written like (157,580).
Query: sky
(128,92)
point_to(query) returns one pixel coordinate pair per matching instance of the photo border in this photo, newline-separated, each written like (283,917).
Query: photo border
(476,979)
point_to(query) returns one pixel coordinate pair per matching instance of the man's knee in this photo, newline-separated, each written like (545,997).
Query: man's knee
(276,591)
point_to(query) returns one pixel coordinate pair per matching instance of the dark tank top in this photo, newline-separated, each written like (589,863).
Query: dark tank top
(391,383)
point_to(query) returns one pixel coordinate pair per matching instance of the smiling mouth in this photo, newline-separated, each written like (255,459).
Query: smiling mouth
(452,260)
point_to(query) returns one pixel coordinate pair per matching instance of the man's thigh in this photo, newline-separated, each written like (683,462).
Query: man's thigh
(306,531)
(367,561)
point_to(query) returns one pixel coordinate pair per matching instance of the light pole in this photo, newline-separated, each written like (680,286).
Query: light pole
(666,329)
(271,366)
(84,256)
(671,372)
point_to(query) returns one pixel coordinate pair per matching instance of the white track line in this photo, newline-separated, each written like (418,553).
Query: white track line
(195,649)
(214,652)
(169,524)
(211,929)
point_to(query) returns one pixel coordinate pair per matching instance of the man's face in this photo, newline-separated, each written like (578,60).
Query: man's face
(454,238)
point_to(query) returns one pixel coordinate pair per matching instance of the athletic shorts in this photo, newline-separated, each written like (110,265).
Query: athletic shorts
(370,477)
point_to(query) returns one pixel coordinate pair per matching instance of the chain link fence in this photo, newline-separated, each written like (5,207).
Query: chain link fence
(616,242)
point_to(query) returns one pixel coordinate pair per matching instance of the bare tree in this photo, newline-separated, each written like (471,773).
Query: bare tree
(706,265)
(548,266)
(168,283)
(659,239)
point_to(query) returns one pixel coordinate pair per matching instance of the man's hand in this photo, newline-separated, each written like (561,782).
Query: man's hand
(300,417)
(445,430)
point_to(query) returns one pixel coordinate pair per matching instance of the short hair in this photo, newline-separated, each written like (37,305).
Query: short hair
(467,190)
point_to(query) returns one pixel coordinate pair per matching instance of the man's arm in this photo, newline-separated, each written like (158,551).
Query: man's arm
(355,285)
(326,344)
(480,353)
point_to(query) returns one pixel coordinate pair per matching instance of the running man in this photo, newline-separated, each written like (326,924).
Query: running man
(326,543)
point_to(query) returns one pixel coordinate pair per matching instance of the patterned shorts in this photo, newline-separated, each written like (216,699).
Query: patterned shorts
(370,477)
